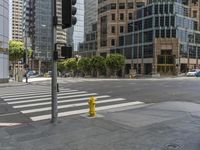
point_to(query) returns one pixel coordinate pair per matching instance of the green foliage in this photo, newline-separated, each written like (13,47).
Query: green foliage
(98,64)
(16,50)
(84,65)
(115,62)
(61,66)
(30,53)
(71,65)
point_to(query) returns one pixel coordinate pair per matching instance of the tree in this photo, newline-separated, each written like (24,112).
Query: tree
(98,64)
(71,65)
(115,62)
(61,66)
(84,65)
(30,53)
(16,50)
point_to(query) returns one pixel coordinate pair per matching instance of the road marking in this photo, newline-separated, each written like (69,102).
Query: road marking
(76,112)
(12,93)
(9,124)
(32,94)
(43,96)
(62,97)
(9,114)
(71,105)
(59,101)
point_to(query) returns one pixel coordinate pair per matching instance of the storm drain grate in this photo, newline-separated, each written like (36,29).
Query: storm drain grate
(172,147)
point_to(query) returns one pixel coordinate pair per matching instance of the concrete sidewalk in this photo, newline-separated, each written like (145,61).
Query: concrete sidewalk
(164,126)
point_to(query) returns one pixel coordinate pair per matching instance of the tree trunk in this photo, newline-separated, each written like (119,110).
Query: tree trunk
(97,73)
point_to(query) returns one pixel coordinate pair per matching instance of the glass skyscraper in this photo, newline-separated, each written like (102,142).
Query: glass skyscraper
(163,38)
(4,36)
(78,31)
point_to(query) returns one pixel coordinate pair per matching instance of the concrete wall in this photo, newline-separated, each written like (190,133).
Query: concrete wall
(4,68)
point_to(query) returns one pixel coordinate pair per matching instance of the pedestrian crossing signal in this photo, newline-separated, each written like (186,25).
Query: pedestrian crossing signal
(66,51)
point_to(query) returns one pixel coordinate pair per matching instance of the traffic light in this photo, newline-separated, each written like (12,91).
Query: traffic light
(66,51)
(68,12)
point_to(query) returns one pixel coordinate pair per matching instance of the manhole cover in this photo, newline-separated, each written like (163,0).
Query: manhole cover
(172,147)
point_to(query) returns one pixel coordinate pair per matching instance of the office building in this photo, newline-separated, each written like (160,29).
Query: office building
(113,17)
(37,25)
(89,46)
(76,32)
(16,20)
(163,38)
(4,37)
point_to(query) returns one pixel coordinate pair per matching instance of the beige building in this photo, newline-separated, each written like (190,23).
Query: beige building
(17,20)
(113,17)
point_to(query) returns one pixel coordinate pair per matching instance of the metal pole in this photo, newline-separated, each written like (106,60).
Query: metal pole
(26,63)
(188,51)
(54,111)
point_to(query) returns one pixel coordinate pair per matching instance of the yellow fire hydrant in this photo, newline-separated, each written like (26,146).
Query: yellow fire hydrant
(92,105)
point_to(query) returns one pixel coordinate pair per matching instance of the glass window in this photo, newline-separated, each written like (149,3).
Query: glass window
(161,9)
(130,27)
(156,9)
(172,21)
(167,21)
(168,33)
(130,16)
(121,5)
(166,8)
(113,29)
(121,16)
(148,23)
(113,17)
(157,33)
(162,23)
(156,21)
(173,33)
(121,40)
(113,42)
(148,36)
(171,9)
(163,33)
(121,29)
(130,5)
(113,6)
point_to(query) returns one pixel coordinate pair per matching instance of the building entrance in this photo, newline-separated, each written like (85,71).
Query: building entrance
(166,63)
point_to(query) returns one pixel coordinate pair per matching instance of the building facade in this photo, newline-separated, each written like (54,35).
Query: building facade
(89,46)
(163,38)
(4,37)
(78,29)
(17,20)
(37,25)
(113,16)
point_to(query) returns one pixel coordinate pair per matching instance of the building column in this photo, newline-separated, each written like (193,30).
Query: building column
(39,67)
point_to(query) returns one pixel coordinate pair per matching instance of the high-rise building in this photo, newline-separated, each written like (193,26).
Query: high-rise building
(113,17)
(90,15)
(163,38)
(4,36)
(76,33)
(37,24)
(89,46)
(17,20)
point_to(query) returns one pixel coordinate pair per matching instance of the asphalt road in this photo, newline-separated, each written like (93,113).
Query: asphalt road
(147,90)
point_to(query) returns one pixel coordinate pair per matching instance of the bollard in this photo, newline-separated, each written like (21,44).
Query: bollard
(92,105)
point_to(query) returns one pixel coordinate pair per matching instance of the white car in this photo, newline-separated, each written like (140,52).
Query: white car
(192,73)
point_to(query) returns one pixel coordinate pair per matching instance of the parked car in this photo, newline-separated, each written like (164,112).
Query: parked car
(32,73)
(197,74)
(192,73)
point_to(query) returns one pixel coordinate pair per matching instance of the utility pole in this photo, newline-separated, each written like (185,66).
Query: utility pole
(26,61)
(54,105)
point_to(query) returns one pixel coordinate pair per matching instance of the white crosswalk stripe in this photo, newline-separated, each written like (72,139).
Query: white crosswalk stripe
(35,101)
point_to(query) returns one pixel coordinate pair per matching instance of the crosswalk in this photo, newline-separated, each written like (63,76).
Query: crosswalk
(35,101)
